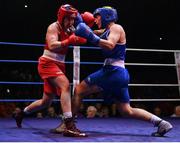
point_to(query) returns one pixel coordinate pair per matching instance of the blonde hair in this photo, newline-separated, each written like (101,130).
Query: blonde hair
(91,108)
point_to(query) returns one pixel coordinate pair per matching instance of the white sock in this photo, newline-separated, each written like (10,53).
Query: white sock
(26,110)
(155,119)
(67,115)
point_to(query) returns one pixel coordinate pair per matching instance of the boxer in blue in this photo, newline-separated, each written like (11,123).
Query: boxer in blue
(113,77)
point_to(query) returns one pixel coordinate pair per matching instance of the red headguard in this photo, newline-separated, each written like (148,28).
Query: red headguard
(66,10)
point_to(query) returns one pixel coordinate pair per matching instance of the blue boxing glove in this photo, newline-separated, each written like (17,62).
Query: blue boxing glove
(78,19)
(84,31)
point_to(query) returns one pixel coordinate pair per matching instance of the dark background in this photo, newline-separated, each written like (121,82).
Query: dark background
(144,21)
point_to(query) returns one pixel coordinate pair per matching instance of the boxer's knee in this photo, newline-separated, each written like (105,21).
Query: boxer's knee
(126,110)
(47,99)
(63,84)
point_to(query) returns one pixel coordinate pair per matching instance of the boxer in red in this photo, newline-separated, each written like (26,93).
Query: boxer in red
(51,68)
(87,18)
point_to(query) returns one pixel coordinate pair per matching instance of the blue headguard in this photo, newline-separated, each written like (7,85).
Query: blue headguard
(108,14)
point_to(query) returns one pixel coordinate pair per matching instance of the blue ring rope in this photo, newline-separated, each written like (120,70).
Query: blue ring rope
(21,83)
(55,100)
(18,61)
(22,44)
(40,45)
(31,61)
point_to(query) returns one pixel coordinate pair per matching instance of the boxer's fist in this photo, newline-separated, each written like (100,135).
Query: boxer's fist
(88,18)
(73,40)
(84,31)
(78,20)
(76,40)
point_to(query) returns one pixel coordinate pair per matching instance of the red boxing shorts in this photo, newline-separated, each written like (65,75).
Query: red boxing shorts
(48,68)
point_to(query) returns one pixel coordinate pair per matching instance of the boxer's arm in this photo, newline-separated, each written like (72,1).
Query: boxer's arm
(113,38)
(115,31)
(84,31)
(76,40)
(57,46)
(52,38)
(99,31)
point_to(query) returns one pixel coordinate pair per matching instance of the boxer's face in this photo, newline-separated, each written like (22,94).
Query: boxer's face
(69,21)
(98,21)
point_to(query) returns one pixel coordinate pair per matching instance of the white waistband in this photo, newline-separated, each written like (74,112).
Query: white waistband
(53,56)
(114,62)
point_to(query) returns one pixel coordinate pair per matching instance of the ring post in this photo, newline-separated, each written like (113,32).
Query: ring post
(76,66)
(177,61)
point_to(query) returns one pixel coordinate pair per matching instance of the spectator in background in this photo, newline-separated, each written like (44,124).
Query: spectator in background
(39,115)
(51,112)
(91,112)
(113,110)
(99,108)
(104,112)
(176,111)
(157,111)
(3,113)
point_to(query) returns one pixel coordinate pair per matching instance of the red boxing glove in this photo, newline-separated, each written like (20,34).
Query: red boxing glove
(73,40)
(81,40)
(76,40)
(88,18)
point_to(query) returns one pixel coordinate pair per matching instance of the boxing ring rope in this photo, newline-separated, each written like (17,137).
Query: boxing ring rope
(89,63)
(40,83)
(77,63)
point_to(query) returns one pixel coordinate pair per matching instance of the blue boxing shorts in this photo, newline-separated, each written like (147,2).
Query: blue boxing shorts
(114,82)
